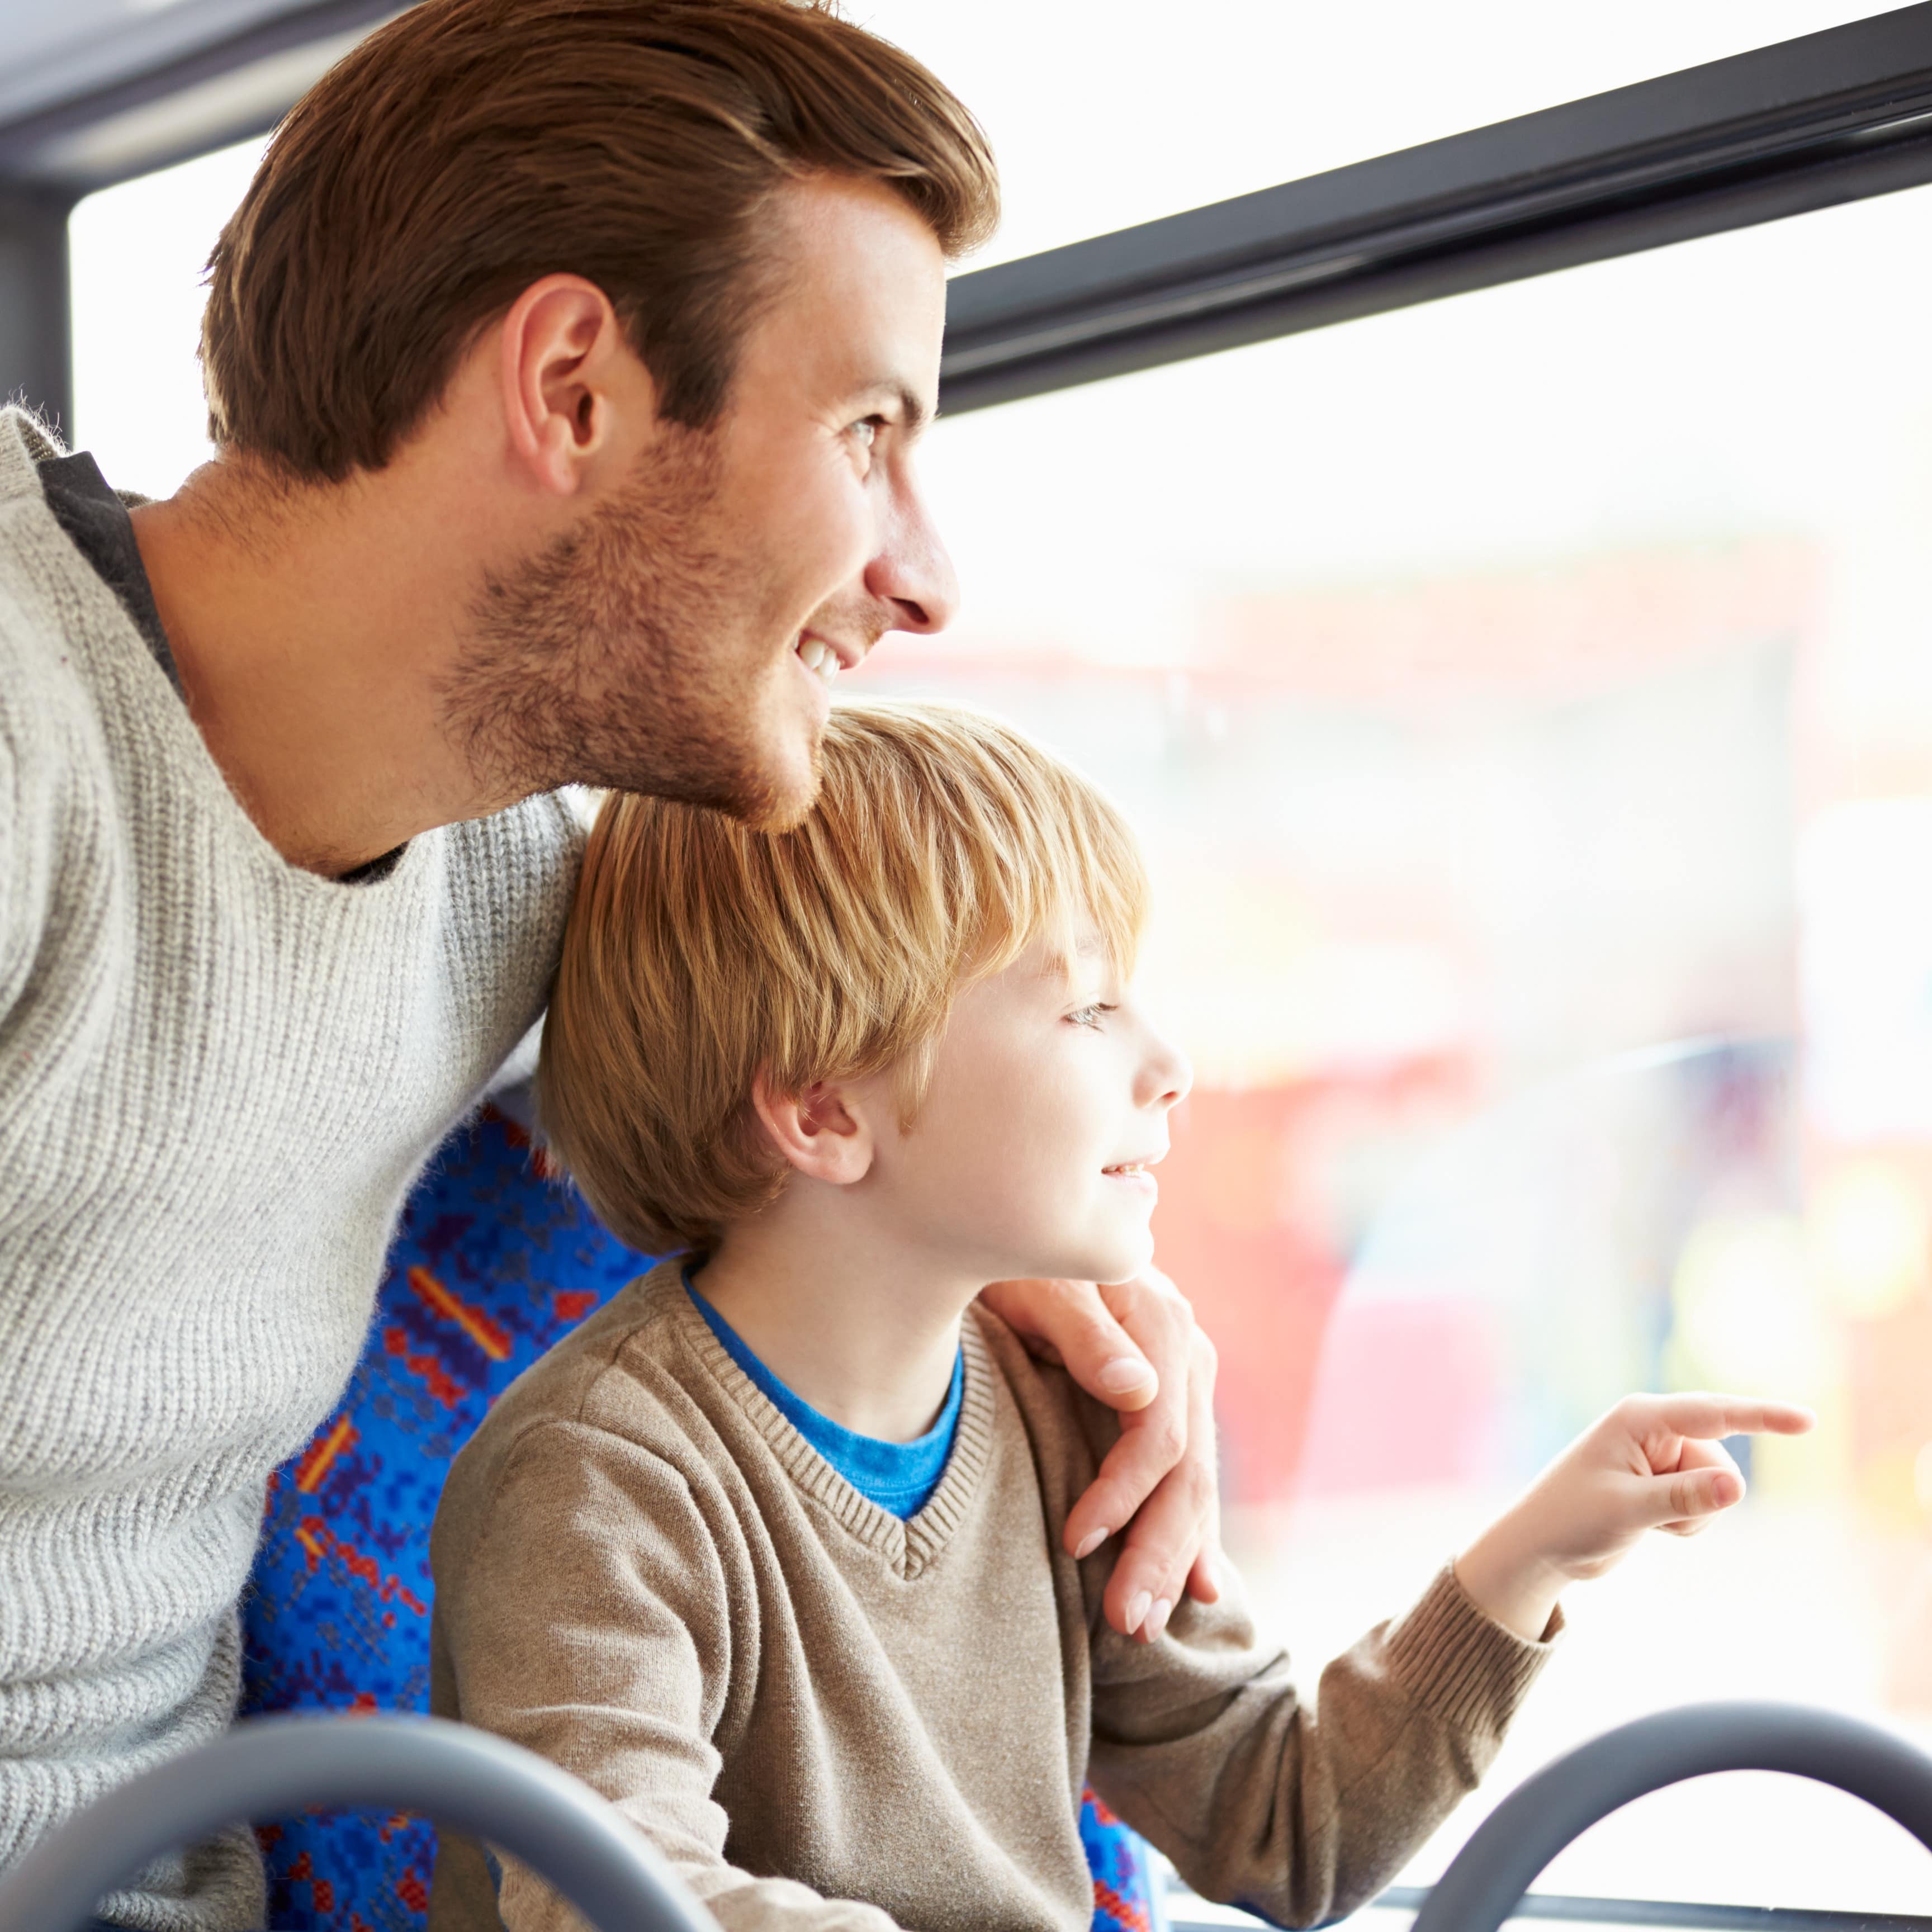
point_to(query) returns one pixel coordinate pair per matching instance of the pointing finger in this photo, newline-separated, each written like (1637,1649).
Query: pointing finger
(1707,1418)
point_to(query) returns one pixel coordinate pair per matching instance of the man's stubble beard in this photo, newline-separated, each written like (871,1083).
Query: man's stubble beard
(606,660)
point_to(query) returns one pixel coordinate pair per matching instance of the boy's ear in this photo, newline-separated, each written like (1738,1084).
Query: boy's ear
(817,1132)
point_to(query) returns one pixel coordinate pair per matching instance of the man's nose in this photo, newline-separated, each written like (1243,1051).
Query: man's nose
(912,571)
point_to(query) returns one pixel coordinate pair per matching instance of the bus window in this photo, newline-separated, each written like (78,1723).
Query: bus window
(137,253)
(1526,700)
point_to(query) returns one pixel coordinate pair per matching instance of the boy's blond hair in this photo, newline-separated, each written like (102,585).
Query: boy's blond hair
(941,846)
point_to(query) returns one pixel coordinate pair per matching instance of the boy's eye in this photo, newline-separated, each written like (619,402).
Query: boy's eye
(1089,1015)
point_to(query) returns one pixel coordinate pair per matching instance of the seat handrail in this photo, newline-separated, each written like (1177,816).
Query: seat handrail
(1489,1877)
(269,1767)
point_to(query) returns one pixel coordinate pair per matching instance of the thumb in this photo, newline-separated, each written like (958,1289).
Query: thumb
(1068,1321)
(1688,1497)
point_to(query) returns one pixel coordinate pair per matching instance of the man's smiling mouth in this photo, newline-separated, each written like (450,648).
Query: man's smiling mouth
(818,657)
(825,660)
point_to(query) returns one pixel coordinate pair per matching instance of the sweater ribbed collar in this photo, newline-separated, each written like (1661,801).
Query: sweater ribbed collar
(908,1545)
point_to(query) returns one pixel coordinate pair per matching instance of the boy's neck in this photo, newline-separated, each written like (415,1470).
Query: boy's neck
(864,1334)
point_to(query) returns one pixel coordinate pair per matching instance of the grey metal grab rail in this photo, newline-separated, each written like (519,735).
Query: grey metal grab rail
(1481,1890)
(271,1766)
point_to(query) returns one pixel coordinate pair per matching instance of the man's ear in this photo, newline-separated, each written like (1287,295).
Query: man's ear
(567,371)
(819,1132)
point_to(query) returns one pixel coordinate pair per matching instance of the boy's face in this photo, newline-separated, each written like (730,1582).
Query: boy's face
(1047,1107)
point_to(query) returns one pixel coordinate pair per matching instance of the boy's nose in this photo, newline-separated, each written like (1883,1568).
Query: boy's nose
(1169,1074)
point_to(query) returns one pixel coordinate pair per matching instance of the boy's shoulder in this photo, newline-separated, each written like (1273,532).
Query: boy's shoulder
(1067,1431)
(639,1333)
(624,1374)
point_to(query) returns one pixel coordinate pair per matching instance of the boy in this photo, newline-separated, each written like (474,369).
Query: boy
(769,1551)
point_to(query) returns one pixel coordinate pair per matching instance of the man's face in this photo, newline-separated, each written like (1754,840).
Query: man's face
(682,640)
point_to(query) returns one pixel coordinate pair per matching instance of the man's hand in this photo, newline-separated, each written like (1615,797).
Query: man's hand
(1654,1462)
(1134,1347)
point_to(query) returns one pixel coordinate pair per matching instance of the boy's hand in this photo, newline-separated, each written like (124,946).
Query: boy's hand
(1134,1345)
(1654,1462)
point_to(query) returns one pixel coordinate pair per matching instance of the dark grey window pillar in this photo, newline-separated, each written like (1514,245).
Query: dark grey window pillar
(36,347)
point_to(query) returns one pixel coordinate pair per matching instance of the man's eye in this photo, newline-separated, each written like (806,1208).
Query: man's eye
(867,432)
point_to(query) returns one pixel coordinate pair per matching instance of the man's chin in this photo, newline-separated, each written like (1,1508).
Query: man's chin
(774,813)
(778,797)
(767,782)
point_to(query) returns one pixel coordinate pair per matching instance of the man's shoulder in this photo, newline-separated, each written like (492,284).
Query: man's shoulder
(35,554)
(548,827)
(34,648)
(25,443)
(517,868)
(68,654)
(51,706)
(563,817)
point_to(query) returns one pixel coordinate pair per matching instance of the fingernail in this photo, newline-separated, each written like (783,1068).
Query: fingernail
(1211,1574)
(1157,1618)
(1137,1606)
(1123,1374)
(1090,1542)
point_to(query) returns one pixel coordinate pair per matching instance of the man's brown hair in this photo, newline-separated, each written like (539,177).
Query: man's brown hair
(471,147)
(699,954)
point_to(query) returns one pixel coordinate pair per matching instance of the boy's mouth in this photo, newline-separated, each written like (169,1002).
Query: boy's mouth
(1131,1170)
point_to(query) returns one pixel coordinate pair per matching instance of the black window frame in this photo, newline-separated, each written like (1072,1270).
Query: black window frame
(1831,117)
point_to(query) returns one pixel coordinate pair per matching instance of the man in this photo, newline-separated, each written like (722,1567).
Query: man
(565,361)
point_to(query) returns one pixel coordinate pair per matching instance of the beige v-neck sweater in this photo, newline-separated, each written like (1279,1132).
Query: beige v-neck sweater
(827,1718)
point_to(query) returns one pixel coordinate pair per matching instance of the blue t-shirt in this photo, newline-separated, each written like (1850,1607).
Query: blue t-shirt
(897,1476)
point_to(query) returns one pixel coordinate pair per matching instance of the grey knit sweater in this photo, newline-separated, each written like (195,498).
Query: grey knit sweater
(218,1076)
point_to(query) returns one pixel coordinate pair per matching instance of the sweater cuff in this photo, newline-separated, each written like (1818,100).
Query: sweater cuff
(1462,1664)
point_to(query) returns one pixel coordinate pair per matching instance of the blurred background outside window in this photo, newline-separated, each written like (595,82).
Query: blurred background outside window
(1526,701)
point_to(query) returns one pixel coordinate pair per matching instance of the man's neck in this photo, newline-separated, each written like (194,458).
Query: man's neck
(308,630)
(862,1329)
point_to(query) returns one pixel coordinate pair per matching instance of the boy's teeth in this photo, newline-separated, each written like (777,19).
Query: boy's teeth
(821,658)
